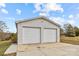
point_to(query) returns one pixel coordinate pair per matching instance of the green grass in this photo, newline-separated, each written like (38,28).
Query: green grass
(70,40)
(3,46)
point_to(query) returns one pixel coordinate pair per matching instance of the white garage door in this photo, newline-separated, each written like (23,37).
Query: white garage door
(31,35)
(49,35)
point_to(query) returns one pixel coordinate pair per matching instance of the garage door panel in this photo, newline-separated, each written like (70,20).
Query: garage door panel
(31,35)
(49,35)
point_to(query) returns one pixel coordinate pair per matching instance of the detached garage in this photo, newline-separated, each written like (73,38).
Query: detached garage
(37,30)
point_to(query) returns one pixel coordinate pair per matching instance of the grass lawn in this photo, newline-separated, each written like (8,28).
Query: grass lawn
(3,46)
(70,40)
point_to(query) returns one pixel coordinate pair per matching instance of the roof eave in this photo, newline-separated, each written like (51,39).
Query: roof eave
(20,21)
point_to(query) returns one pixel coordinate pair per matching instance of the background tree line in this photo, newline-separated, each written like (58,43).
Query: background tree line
(69,30)
(5,34)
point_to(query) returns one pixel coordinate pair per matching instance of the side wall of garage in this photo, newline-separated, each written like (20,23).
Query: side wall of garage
(36,23)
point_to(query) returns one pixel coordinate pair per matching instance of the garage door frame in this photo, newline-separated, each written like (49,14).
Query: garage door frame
(41,33)
(33,27)
(56,35)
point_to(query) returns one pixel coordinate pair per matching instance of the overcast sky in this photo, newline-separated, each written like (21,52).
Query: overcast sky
(58,12)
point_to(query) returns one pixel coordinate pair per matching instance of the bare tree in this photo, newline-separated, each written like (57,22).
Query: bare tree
(3,28)
(69,30)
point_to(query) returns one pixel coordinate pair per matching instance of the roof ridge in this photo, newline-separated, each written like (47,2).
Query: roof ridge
(44,17)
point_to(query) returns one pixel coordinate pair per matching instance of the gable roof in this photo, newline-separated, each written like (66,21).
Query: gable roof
(40,17)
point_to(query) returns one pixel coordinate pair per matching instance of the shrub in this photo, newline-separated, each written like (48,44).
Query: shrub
(13,38)
(76,31)
(61,31)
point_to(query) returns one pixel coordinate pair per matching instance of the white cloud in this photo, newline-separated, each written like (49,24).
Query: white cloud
(71,22)
(42,14)
(63,15)
(77,15)
(54,7)
(71,16)
(4,11)
(2,5)
(73,19)
(18,11)
(78,26)
(2,8)
(37,7)
(63,21)
(58,20)
(46,8)
(9,18)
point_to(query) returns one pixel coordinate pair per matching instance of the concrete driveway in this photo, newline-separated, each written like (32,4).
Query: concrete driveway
(55,49)
(11,49)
